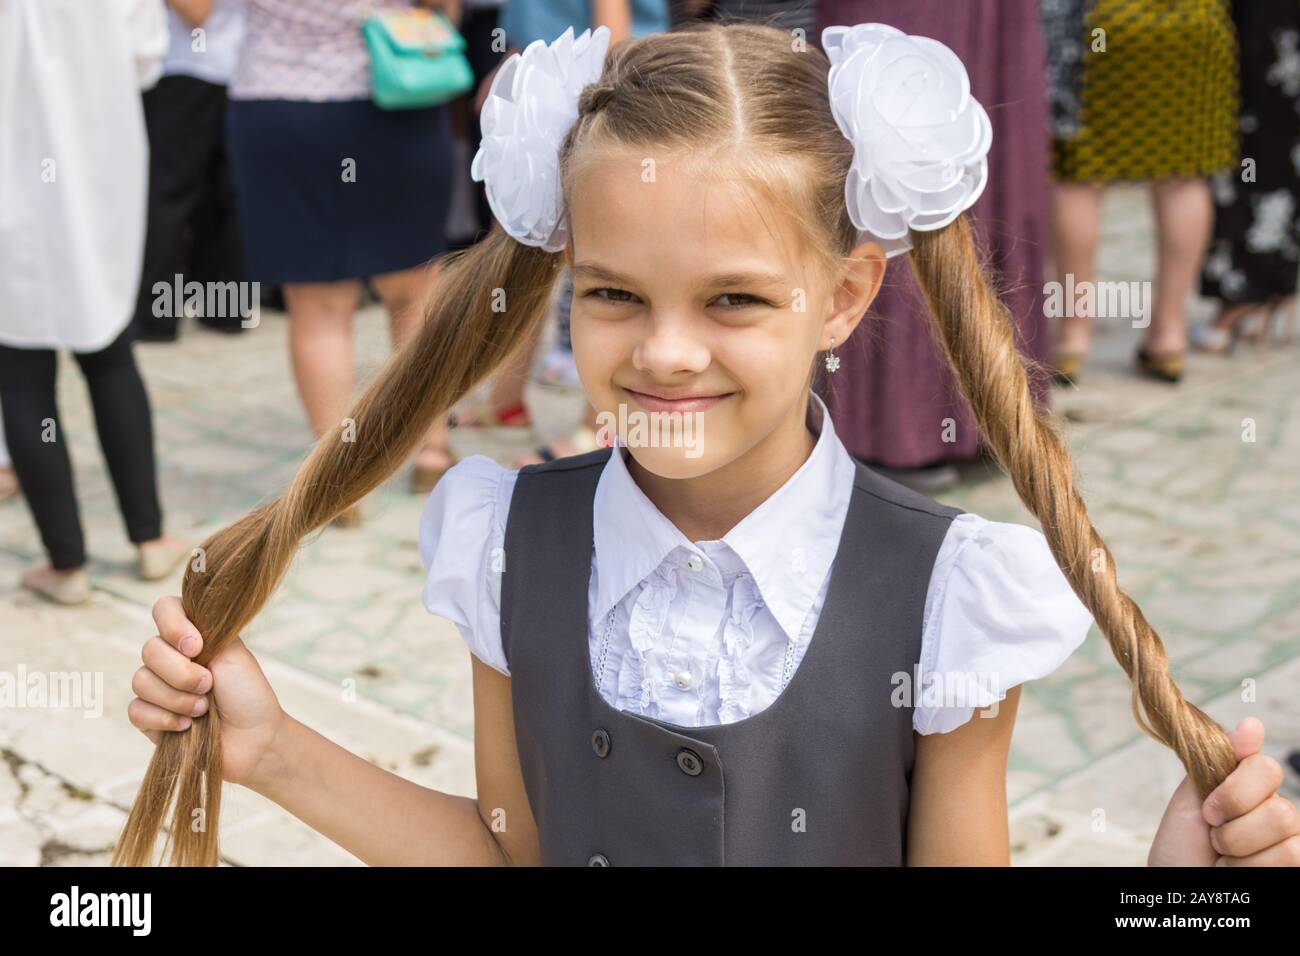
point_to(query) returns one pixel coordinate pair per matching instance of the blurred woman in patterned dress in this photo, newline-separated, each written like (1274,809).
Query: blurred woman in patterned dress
(1255,253)
(895,403)
(333,190)
(1142,92)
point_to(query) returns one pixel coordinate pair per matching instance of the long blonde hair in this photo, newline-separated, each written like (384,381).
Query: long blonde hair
(707,86)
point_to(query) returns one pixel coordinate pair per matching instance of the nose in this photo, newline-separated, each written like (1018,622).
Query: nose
(670,346)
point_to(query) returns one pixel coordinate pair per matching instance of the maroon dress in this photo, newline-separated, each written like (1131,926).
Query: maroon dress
(893,391)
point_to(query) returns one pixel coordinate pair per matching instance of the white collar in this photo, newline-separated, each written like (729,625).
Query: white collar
(787,543)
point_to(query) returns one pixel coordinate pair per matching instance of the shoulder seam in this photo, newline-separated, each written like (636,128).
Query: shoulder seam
(568,463)
(900,504)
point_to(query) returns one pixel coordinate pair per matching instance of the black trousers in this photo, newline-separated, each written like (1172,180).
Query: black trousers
(39,448)
(193,226)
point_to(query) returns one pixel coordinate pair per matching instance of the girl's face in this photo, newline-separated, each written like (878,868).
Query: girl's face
(695,317)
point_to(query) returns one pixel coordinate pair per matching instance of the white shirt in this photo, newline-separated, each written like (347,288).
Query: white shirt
(74,166)
(216,57)
(710,632)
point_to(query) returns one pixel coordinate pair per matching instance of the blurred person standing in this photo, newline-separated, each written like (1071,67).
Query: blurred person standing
(524,22)
(895,403)
(485,47)
(1142,92)
(193,224)
(73,172)
(333,190)
(1254,256)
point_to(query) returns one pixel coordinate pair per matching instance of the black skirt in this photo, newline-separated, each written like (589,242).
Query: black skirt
(339,190)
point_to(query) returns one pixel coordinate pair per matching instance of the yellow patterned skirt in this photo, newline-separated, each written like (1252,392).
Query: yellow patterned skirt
(1158,92)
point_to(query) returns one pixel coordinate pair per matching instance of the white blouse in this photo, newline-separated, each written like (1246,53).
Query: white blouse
(74,166)
(710,632)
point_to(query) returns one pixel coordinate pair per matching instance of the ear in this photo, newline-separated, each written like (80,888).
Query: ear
(863,276)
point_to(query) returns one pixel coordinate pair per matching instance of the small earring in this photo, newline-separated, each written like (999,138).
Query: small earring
(832,360)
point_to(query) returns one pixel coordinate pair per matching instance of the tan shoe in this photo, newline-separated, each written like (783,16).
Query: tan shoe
(1165,367)
(1066,367)
(61,587)
(160,558)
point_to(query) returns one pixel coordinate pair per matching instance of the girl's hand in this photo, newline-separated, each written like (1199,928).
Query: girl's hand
(172,688)
(1242,823)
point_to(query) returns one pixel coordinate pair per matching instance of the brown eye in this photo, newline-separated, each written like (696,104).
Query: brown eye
(617,295)
(746,300)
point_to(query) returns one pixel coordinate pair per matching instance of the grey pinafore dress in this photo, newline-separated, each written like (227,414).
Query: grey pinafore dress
(820,776)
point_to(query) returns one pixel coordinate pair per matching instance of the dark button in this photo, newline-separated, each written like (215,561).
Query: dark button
(690,762)
(598,859)
(600,741)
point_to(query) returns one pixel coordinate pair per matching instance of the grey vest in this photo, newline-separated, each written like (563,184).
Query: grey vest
(819,776)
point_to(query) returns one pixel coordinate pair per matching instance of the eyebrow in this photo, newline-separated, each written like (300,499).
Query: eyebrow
(720,279)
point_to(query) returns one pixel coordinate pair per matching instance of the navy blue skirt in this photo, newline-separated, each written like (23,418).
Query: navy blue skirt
(339,190)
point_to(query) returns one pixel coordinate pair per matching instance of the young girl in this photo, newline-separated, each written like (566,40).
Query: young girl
(712,648)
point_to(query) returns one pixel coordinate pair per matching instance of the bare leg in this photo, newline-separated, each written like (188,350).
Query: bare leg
(507,389)
(508,386)
(1184,218)
(1076,225)
(320,344)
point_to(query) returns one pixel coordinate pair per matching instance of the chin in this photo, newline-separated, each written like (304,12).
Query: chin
(676,462)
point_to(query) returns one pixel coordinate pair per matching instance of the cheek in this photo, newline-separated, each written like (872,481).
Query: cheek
(597,351)
(772,360)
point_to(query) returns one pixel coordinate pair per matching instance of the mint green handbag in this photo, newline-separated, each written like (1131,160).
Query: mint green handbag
(417,59)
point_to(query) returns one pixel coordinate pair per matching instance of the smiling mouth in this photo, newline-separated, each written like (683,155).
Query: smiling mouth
(695,403)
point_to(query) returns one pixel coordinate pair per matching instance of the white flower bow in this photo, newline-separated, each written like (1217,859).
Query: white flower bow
(920,140)
(531,105)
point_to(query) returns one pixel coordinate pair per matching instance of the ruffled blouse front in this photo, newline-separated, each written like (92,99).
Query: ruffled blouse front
(710,632)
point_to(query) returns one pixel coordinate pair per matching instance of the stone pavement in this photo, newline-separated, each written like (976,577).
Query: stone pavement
(1204,525)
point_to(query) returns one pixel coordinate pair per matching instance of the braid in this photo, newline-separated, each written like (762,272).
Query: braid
(971,327)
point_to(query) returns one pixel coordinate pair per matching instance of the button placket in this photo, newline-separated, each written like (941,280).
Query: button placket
(693,631)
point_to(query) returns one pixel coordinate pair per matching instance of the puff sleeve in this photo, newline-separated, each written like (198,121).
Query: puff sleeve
(999,612)
(462,545)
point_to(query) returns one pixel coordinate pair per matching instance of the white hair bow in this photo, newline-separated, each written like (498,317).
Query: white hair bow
(920,140)
(531,105)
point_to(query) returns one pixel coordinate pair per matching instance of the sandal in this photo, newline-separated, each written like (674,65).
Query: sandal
(1246,323)
(161,558)
(68,588)
(1066,367)
(1163,366)
(477,414)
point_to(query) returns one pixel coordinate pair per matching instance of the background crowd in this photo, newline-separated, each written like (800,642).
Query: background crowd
(211,141)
